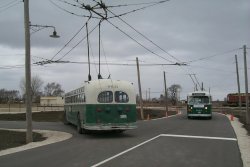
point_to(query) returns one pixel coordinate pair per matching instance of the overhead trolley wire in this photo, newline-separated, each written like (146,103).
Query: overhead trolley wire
(137,4)
(134,10)
(104,7)
(78,43)
(144,36)
(120,64)
(138,42)
(67,11)
(69,41)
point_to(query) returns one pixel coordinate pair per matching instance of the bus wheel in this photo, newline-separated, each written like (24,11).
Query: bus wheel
(119,131)
(79,127)
(85,131)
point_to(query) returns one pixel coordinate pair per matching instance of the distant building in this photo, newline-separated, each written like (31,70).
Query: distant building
(51,101)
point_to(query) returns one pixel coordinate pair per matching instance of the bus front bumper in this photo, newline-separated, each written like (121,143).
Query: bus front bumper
(109,127)
(199,115)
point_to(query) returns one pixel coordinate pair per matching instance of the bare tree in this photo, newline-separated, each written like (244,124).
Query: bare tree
(53,89)
(36,85)
(7,96)
(174,91)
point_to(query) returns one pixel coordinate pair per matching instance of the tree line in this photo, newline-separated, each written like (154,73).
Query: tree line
(37,90)
(173,95)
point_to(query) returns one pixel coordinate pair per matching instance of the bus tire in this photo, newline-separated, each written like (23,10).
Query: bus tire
(119,131)
(79,127)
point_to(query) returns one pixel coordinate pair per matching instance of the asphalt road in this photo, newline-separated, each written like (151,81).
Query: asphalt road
(173,142)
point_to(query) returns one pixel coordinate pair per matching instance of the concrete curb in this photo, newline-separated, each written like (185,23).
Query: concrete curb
(52,137)
(243,140)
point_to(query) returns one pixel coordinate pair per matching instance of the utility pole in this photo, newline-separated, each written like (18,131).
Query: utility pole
(148,94)
(238,80)
(166,93)
(246,85)
(139,85)
(28,102)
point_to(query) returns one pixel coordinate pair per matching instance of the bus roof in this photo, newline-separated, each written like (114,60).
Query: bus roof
(199,93)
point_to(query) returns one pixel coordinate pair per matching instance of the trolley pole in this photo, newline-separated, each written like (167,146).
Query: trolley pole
(166,93)
(238,80)
(139,85)
(29,136)
(246,85)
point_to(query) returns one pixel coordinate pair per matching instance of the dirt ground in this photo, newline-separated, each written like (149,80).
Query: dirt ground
(10,139)
(57,116)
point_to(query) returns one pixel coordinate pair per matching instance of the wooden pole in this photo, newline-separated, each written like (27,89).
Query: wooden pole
(139,85)
(238,81)
(166,93)
(29,137)
(246,86)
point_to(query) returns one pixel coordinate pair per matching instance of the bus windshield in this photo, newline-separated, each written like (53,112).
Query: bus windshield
(198,100)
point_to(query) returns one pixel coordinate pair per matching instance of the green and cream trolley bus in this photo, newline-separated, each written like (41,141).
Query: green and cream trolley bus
(102,104)
(199,104)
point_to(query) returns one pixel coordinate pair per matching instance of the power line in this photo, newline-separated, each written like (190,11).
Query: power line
(208,57)
(101,5)
(145,37)
(72,13)
(104,7)
(12,66)
(68,41)
(78,43)
(135,4)
(106,63)
(49,61)
(138,42)
(135,10)
(9,5)
(15,54)
(214,69)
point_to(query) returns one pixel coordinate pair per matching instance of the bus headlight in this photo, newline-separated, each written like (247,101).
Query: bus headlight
(206,108)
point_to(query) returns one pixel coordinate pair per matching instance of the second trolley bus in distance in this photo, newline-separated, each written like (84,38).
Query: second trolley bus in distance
(199,104)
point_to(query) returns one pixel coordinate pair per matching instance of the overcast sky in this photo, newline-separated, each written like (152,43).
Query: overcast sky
(204,34)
